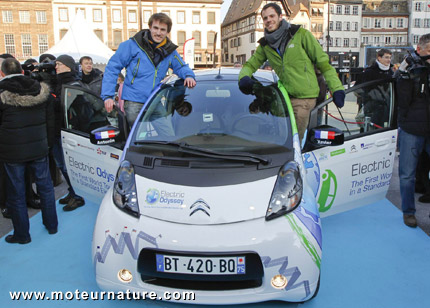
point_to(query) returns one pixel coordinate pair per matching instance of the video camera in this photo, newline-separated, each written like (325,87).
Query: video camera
(417,65)
(44,71)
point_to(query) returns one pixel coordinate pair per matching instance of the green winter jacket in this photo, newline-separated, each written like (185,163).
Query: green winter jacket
(296,69)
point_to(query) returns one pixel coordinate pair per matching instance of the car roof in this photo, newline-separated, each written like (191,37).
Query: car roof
(227,74)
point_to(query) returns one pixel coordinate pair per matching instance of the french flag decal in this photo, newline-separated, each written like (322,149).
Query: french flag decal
(105,134)
(319,134)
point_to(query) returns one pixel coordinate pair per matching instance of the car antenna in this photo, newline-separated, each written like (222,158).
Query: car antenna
(219,74)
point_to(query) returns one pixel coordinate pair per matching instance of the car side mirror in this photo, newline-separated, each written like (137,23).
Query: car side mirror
(106,135)
(326,135)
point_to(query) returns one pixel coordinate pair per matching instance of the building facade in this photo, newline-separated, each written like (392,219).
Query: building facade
(26,29)
(112,22)
(419,21)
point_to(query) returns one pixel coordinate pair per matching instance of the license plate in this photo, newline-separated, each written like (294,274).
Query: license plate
(201,265)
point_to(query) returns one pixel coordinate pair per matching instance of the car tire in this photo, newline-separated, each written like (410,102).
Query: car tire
(317,289)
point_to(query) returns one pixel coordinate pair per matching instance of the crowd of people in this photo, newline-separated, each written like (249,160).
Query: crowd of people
(31,116)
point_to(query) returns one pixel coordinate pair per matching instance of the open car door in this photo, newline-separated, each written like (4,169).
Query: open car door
(91,168)
(359,171)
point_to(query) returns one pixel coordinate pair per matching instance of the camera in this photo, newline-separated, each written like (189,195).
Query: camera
(44,71)
(417,65)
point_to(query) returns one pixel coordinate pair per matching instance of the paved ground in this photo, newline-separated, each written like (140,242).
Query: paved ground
(423,210)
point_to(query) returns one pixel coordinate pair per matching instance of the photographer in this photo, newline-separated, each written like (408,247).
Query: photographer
(413,93)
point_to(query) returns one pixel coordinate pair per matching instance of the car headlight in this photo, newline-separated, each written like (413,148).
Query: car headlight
(287,193)
(124,189)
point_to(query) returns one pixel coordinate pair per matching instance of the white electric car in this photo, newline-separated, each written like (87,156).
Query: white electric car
(211,191)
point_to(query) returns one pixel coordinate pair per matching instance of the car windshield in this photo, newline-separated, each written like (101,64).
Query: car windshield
(216,116)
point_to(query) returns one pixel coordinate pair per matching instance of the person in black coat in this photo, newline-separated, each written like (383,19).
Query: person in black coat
(374,100)
(413,93)
(66,74)
(26,122)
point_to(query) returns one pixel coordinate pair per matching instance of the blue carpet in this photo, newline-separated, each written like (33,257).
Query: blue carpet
(370,259)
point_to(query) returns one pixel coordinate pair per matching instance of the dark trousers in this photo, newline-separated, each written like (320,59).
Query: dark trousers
(16,197)
(3,187)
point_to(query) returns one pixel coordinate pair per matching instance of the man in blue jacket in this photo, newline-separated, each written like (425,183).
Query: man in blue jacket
(146,57)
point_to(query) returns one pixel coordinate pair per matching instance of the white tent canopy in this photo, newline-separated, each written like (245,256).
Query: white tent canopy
(80,41)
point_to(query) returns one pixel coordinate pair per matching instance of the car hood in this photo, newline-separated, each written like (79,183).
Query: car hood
(208,205)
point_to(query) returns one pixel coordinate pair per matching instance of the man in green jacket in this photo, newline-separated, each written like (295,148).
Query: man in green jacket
(293,53)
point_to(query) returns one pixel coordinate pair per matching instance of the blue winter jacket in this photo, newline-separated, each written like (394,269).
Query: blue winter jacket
(142,76)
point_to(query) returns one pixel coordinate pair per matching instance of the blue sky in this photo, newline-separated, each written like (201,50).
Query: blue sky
(224,8)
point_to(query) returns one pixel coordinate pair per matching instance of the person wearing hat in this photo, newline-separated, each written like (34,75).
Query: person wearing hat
(66,74)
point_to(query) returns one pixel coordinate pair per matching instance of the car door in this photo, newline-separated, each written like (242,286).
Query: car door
(91,168)
(359,171)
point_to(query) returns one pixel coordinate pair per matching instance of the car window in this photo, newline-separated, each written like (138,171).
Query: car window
(85,111)
(368,108)
(216,115)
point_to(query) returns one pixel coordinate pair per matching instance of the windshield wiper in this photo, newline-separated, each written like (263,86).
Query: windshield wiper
(184,147)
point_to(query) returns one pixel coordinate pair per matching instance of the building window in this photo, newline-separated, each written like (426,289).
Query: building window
(211,38)
(197,57)
(418,6)
(415,39)
(252,37)
(346,42)
(80,9)
(338,9)
(399,40)
(211,18)
(41,17)
(181,38)
(116,15)
(377,23)
(197,39)
(314,27)
(427,23)
(181,17)
(347,10)
(9,43)
(319,27)
(355,10)
(331,9)
(252,20)
(395,8)
(99,34)
(24,17)
(231,44)
(417,23)
(355,26)
(347,26)
(331,26)
(26,45)
(400,23)
(388,40)
(364,7)
(354,42)
(366,22)
(117,37)
(196,17)
(331,42)
(146,16)
(376,40)
(389,23)
(63,14)
(43,43)
(376,8)
(337,42)
(7,17)
(365,40)
(132,16)
(338,26)
(97,15)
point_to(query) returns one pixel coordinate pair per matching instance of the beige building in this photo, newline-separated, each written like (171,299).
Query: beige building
(26,29)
